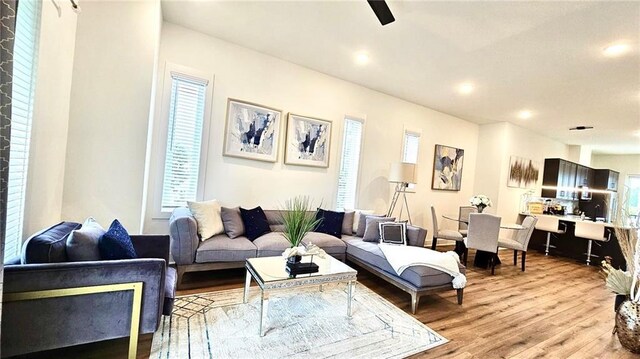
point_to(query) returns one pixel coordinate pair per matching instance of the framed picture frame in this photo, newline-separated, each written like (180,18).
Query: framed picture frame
(447,168)
(252,131)
(308,141)
(523,172)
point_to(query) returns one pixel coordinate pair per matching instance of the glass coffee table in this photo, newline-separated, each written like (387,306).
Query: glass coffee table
(270,274)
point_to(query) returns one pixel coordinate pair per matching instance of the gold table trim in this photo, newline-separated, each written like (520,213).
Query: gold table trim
(136,287)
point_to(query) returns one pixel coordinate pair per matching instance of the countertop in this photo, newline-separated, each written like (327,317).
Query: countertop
(567,218)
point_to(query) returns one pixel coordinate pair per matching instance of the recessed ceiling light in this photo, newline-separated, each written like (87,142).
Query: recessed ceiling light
(525,114)
(362,58)
(465,88)
(616,50)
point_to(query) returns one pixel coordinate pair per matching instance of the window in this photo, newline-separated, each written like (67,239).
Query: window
(184,139)
(25,55)
(410,147)
(633,195)
(349,164)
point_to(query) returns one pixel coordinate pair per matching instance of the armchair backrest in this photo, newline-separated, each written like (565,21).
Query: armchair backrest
(484,230)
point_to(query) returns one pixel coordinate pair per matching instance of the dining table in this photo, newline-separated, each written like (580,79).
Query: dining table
(481,258)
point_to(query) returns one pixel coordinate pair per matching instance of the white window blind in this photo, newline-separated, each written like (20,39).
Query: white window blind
(410,148)
(184,140)
(349,164)
(25,55)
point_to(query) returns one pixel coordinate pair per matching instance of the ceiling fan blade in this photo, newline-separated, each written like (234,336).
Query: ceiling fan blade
(382,11)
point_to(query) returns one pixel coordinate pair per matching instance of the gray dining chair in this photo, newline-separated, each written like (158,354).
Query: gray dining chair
(520,242)
(463,218)
(484,230)
(442,233)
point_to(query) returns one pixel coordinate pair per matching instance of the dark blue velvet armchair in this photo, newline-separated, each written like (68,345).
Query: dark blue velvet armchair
(43,324)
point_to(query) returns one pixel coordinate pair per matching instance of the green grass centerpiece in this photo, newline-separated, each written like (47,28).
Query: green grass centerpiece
(298,219)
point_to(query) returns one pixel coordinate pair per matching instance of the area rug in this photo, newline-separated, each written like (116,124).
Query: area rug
(302,323)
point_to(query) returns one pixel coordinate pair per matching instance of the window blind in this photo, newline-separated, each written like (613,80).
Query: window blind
(349,164)
(25,55)
(411,145)
(184,140)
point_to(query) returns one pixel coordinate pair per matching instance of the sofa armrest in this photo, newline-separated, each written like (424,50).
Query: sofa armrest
(151,246)
(183,229)
(416,236)
(43,324)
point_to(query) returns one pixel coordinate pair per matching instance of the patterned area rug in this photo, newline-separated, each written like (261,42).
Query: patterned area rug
(304,323)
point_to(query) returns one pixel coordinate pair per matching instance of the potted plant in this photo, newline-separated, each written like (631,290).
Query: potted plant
(625,283)
(298,220)
(480,201)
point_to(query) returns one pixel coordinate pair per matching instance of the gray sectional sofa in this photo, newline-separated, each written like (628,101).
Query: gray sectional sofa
(221,252)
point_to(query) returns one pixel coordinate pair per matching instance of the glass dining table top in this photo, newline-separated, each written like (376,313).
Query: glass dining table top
(513,226)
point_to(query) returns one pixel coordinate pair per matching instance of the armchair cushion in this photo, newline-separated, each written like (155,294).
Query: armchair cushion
(116,243)
(82,243)
(49,245)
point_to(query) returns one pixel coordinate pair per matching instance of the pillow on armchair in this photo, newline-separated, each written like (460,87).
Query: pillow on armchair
(49,245)
(82,243)
(116,243)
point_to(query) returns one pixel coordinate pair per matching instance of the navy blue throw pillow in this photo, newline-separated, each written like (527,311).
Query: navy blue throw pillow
(116,243)
(330,222)
(255,222)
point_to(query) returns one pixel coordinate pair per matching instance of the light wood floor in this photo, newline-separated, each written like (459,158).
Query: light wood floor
(558,308)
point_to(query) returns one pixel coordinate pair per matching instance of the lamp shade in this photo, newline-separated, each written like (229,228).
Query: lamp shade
(402,172)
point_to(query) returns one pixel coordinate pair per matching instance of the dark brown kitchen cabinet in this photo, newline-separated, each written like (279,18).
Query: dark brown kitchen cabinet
(559,177)
(606,180)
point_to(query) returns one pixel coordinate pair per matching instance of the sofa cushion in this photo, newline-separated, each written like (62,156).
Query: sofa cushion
(372,230)
(82,243)
(255,222)
(221,248)
(232,221)
(329,243)
(362,223)
(207,214)
(49,245)
(330,222)
(419,276)
(347,222)
(116,243)
(271,244)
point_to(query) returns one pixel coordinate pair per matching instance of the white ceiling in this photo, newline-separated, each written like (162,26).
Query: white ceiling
(542,56)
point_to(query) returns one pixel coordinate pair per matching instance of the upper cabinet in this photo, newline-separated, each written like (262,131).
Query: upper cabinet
(563,179)
(606,180)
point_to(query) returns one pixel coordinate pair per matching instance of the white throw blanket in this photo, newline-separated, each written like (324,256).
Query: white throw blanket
(402,257)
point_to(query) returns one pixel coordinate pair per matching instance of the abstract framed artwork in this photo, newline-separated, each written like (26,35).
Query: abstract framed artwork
(447,168)
(523,172)
(252,131)
(308,141)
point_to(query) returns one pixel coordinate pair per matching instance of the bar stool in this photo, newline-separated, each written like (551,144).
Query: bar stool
(550,225)
(593,231)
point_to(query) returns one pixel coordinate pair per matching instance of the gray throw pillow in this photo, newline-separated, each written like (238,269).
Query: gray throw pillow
(82,244)
(347,222)
(372,231)
(232,221)
(362,223)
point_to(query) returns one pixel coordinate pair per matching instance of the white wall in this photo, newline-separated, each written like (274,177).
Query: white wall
(43,202)
(625,164)
(498,142)
(110,99)
(248,75)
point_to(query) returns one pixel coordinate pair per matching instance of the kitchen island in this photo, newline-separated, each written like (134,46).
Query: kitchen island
(570,246)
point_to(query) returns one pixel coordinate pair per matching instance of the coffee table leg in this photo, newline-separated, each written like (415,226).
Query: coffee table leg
(321,288)
(247,283)
(351,288)
(264,306)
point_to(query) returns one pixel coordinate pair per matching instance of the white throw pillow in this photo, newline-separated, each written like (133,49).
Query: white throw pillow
(207,214)
(356,217)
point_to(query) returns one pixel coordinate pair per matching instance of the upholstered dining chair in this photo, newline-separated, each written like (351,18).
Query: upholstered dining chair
(442,233)
(484,230)
(463,218)
(520,242)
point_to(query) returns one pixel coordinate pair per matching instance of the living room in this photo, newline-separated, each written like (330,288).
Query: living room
(413,119)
